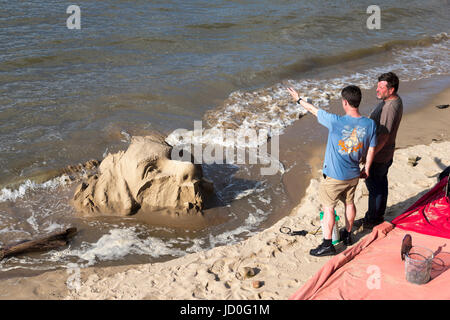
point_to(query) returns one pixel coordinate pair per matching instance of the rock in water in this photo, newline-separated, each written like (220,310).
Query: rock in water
(142,177)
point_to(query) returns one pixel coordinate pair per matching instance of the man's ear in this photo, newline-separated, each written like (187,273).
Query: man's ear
(391,91)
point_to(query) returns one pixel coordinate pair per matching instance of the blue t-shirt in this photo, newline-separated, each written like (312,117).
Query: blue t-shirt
(348,140)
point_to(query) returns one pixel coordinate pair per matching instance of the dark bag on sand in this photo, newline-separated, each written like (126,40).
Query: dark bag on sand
(444,173)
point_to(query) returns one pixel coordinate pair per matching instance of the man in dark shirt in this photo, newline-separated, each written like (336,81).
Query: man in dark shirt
(387,115)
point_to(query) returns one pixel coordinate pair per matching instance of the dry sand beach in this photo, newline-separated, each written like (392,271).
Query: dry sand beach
(269,265)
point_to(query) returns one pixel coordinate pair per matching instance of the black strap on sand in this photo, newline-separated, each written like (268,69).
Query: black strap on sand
(289,232)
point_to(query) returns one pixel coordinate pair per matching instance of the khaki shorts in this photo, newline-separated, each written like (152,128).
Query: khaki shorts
(332,190)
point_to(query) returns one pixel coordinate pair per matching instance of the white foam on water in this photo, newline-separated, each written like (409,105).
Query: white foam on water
(247,229)
(105,153)
(264,200)
(7,194)
(246,193)
(272,108)
(253,220)
(22,264)
(33,222)
(120,243)
(126,135)
(53,226)
(229,237)
(9,230)
(237,190)
(197,246)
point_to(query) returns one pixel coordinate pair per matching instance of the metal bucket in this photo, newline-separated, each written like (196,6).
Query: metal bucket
(418,263)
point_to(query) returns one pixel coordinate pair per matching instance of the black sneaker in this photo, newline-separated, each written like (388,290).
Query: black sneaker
(322,251)
(358,223)
(345,237)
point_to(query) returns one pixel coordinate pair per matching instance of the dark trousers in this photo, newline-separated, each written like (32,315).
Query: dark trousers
(377,184)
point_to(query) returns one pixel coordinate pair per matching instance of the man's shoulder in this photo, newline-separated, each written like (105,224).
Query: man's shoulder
(395,104)
(376,111)
(368,122)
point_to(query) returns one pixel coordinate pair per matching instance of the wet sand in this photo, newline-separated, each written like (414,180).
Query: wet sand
(281,262)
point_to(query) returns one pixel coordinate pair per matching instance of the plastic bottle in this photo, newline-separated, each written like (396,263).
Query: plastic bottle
(335,233)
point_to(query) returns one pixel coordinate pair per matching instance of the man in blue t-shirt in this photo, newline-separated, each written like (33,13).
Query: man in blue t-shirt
(350,137)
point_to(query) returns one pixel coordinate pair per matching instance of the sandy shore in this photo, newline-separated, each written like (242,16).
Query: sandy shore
(281,263)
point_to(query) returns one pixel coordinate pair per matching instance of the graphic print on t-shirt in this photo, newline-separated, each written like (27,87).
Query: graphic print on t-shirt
(351,139)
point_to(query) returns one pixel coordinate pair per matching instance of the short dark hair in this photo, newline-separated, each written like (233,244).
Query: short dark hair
(352,94)
(391,79)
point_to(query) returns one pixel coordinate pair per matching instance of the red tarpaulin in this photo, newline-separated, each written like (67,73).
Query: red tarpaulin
(373,269)
(429,215)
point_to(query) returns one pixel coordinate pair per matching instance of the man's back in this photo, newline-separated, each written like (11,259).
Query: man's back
(348,140)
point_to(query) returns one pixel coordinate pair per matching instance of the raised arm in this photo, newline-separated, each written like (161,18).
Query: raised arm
(303,103)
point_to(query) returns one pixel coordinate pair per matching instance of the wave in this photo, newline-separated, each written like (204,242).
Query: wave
(7,194)
(117,244)
(310,63)
(271,108)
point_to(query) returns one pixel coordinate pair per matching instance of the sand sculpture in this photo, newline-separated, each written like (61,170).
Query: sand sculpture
(142,178)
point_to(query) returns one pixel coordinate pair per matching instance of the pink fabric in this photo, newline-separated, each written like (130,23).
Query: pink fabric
(373,269)
(377,272)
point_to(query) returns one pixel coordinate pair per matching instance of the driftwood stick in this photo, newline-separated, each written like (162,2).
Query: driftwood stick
(51,241)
